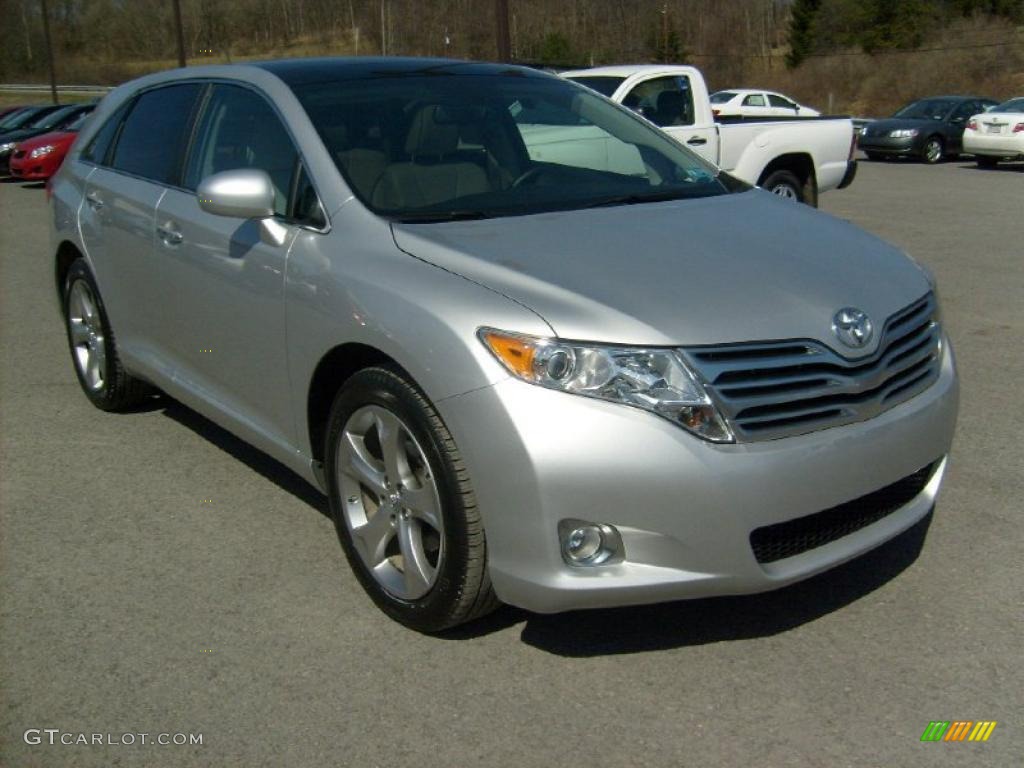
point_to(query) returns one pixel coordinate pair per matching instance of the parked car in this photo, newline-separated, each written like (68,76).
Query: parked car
(794,159)
(547,383)
(43,121)
(929,129)
(744,102)
(5,111)
(997,134)
(38,158)
(24,115)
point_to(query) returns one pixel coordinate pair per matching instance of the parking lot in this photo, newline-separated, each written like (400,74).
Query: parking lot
(159,576)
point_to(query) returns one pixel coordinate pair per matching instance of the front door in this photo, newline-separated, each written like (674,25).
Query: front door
(225,286)
(667,101)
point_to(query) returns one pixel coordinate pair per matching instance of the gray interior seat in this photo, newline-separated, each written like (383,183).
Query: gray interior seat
(434,172)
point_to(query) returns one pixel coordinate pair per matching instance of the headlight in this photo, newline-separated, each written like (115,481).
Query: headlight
(655,380)
(903,133)
(40,151)
(7,147)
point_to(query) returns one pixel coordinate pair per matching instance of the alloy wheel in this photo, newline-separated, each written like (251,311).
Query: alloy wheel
(390,502)
(785,191)
(86,331)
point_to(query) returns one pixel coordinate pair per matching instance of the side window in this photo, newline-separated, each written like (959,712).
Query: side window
(778,101)
(306,208)
(153,133)
(665,101)
(99,148)
(754,100)
(239,129)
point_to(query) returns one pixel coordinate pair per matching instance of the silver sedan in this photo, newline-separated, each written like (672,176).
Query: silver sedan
(603,375)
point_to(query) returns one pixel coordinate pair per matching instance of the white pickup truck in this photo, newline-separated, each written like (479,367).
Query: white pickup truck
(794,158)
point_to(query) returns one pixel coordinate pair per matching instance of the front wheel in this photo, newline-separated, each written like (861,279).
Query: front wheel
(403,506)
(933,151)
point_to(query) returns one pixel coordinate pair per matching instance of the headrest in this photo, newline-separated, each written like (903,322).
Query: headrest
(432,133)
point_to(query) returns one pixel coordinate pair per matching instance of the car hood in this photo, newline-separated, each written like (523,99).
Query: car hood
(57,138)
(731,268)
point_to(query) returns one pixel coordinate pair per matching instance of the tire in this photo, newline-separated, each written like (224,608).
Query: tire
(875,156)
(381,426)
(933,151)
(785,184)
(93,346)
(984,161)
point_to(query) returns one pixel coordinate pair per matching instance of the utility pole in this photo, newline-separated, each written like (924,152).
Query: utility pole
(180,32)
(49,51)
(383,30)
(502,29)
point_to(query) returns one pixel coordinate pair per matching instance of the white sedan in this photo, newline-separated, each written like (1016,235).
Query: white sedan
(751,103)
(997,134)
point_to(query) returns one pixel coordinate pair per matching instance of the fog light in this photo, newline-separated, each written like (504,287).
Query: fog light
(586,543)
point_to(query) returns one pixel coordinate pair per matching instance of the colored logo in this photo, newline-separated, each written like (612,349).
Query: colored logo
(958,730)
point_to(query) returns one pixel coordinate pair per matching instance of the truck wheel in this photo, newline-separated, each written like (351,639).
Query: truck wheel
(403,506)
(785,184)
(93,348)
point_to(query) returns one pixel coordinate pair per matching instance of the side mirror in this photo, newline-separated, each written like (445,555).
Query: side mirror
(245,193)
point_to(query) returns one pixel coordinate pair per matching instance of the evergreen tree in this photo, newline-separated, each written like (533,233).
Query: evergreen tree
(801,31)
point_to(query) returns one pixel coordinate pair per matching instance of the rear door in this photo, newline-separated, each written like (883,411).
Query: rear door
(668,102)
(136,152)
(224,295)
(755,105)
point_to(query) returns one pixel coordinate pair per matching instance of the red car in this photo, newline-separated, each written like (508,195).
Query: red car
(38,158)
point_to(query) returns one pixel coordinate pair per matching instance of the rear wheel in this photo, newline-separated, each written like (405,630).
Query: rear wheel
(93,347)
(987,162)
(876,156)
(784,184)
(933,151)
(403,506)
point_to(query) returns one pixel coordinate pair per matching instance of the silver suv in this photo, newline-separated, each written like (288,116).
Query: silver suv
(532,349)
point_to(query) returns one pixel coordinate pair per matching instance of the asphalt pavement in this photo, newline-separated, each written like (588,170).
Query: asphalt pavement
(159,576)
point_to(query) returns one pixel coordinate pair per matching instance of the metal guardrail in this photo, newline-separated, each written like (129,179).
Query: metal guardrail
(45,88)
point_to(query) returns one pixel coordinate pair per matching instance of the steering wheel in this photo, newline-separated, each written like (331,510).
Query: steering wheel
(527,175)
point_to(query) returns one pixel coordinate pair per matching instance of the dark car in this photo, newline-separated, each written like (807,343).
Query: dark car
(25,115)
(5,111)
(930,129)
(44,121)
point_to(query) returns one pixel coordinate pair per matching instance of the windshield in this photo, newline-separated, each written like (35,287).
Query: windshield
(1013,105)
(19,118)
(722,97)
(604,85)
(78,122)
(55,118)
(927,109)
(436,147)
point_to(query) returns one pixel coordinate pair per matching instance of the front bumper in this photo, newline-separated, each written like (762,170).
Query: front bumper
(886,145)
(685,508)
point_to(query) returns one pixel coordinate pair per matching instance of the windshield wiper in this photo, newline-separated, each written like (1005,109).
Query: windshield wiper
(425,217)
(635,199)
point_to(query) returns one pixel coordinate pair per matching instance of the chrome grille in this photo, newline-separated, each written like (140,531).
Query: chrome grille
(777,389)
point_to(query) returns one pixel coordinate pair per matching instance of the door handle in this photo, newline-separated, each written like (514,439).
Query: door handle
(169,234)
(696,141)
(94,200)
